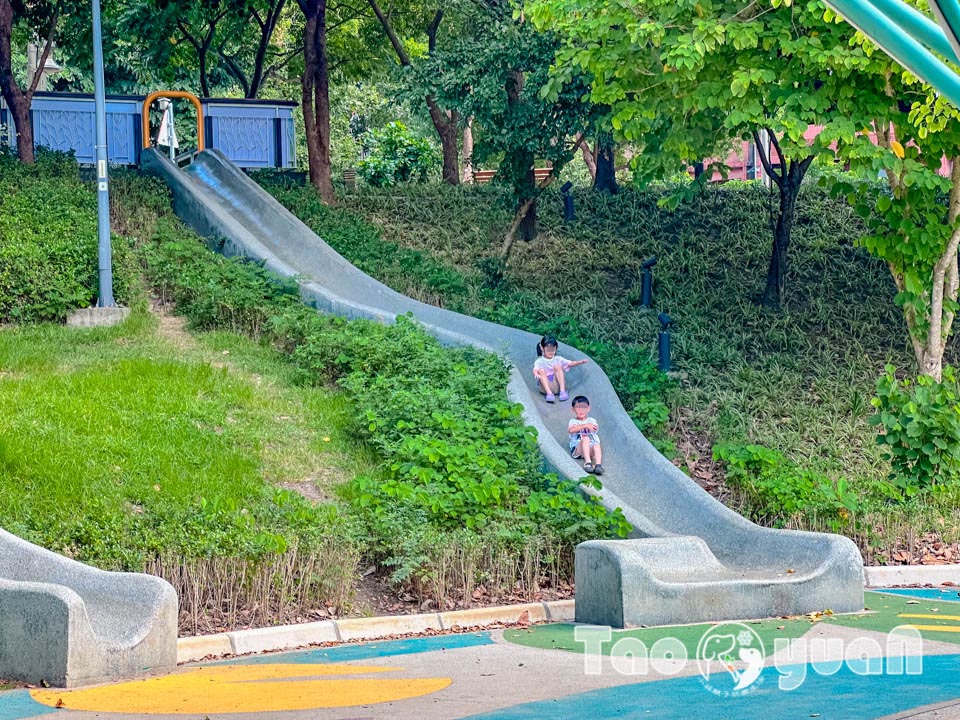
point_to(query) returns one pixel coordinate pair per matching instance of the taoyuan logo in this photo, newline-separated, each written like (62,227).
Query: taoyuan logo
(730,658)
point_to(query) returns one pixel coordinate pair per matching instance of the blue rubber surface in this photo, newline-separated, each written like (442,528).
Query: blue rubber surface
(843,696)
(366,651)
(938,594)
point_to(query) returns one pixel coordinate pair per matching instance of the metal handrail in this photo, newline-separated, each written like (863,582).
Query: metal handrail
(171,94)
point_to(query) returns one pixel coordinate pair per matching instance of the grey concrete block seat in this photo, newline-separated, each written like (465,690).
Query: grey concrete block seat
(700,561)
(69,624)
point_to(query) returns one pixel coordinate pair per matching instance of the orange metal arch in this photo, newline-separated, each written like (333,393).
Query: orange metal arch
(171,94)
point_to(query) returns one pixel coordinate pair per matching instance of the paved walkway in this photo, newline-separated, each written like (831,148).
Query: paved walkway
(830,667)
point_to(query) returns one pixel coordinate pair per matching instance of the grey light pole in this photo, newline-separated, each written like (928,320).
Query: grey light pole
(105,271)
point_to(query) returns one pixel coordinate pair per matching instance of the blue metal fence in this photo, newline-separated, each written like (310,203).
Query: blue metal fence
(252,133)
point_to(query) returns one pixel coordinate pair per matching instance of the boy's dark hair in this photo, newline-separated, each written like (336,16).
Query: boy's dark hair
(546,341)
(580,399)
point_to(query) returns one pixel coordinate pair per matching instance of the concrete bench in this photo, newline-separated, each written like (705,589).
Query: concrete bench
(68,624)
(671,580)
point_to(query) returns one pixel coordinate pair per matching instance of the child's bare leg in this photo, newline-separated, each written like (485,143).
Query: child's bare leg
(558,375)
(585,450)
(597,455)
(544,383)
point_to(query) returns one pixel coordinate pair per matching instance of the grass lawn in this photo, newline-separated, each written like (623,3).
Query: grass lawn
(126,445)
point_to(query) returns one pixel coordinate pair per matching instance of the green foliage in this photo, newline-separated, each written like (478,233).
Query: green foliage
(777,489)
(912,224)
(48,242)
(497,77)
(486,293)
(395,155)
(919,428)
(214,292)
(455,454)
(683,78)
(799,380)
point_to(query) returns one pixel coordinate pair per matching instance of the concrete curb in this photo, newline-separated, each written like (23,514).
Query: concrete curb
(287,637)
(885,576)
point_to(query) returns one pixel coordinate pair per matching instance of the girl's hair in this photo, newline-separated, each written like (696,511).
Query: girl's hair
(546,341)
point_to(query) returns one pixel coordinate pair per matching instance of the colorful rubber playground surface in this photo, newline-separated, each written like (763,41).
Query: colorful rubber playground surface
(849,667)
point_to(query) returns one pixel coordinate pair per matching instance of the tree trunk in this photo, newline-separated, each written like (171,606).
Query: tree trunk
(590,160)
(605,179)
(315,98)
(789,188)
(467,173)
(20,109)
(788,180)
(267,29)
(511,235)
(528,225)
(17,101)
(446,123)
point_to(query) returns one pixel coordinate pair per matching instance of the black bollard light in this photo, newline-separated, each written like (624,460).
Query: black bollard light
(663,343)
(646,281)
(568,212)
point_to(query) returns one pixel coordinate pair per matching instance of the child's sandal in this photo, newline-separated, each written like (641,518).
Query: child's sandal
(587,467)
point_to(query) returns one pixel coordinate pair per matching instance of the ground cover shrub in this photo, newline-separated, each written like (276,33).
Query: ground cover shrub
(776,489)
(48,241)
(918,423)
(456,455)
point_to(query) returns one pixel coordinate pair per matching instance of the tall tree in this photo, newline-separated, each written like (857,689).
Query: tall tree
(914,225)
(498,78)
(682,77)
(212,45)
(445,121)
(315,96)
(39,17)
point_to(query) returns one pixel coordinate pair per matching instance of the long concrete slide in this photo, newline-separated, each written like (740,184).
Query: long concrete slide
(66,624)
(691,559)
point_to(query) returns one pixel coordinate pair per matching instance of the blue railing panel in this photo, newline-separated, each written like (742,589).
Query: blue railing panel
(251,133)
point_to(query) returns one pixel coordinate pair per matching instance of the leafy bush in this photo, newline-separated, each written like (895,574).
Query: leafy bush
(396,155)
(919,428)
(777,489)
(48,241)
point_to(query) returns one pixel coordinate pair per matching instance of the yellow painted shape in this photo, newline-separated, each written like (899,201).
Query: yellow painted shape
(931,617)
(938,628)
(244,688)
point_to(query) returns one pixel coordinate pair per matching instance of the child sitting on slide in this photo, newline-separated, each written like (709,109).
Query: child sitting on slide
(584,438)
(549,369)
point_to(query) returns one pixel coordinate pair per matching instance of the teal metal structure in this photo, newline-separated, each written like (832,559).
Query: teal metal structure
(911,38)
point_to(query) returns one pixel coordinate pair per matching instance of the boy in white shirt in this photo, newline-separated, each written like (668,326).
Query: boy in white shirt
(549,369)
(584,438)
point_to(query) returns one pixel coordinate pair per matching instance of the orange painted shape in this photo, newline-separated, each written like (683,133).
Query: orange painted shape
(173,94)
(244,688)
